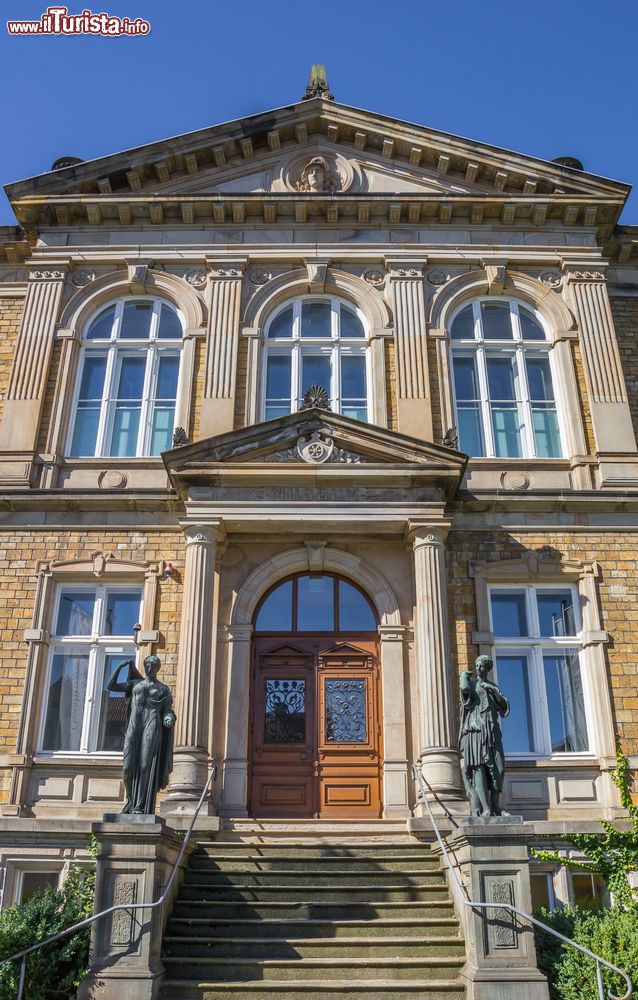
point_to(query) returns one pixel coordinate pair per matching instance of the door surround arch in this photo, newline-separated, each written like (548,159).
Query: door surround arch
(315,557)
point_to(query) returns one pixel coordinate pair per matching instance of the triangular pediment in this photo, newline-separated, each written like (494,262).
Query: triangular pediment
(311,443)
(268,155)
(344,650)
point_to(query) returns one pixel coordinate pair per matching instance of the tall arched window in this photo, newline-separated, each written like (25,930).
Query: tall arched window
(503,382)
(316,341)
(127,385)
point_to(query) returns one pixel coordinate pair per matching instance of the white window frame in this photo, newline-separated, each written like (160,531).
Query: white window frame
(115,349)
(534,646)
(335,347)
(98,646)
(479,348)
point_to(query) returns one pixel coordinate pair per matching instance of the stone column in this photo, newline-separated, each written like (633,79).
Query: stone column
(194,670)
(235,776)
(436,681)
(220,374)
(414,404)
(29,373)
(395,755)
(611,416)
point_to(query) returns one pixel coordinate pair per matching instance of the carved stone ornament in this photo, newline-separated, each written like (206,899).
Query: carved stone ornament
(553,279)
(321,173)
(315,449)
(587,275)
(180,437)
(196,277)
(374,277)
(112,479)
(46,275)
(437,276)
(259,276)
(516,481)
(316,396)
(451,438)
(225,271)
(318,175)
(82,277)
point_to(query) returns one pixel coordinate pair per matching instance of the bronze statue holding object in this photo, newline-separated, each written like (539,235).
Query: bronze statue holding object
(148,741)
(483,704)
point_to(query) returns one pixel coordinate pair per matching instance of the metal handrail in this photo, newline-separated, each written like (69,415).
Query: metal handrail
(120,906)
(466,900)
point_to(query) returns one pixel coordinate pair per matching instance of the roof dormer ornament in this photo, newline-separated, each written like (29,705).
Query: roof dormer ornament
(318,84)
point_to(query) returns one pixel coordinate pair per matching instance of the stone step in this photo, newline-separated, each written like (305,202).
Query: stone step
(276,908)
(303,893)
(289,989)
(284,863)
(333,879)
(291,929)
(372,948)
(309,969)
(241,848)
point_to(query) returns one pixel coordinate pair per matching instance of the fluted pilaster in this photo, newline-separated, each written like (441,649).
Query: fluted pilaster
(194,669)
(220,374)
(436,682)
(413,380)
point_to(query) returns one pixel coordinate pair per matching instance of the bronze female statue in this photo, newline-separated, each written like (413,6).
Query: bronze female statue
(481,740)
(148,741)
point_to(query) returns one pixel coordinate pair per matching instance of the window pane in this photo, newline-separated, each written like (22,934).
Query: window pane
(565,701)
(162,429)
(588,891)
(87,420)
(281,326)
(285,711)
(65,705)
(92,383)
(496,320)
(125,430)
(470,431)
(35,882)
(75,613)
(530,327)
(463,325)
(517,726)
(506,427)
(546,433)
(346,710)
(355,412)
(315,604)
(170,327)
(539,883)
(136,320)
(315,370)
(275,614)
(102,325)
(556,612)
(316,319)
(278,378)
(355,614)
(168,371)
(501,373)
(466,384)
(113,707)
(353,377)
(122,612)
(509,616)
(351,325)
(539,377)
(131,380)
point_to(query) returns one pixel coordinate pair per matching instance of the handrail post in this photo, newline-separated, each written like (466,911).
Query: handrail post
(23,972)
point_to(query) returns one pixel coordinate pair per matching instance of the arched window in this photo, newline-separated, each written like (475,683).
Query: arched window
(503,382)
(316,341)
(127,386)
(315,603)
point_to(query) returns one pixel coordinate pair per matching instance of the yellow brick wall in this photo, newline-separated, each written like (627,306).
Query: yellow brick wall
(197,389)
(20,552)
(241,383)
(433,364)
(625,312)
(617,556)
(10,314)
(391,384)
(583,398)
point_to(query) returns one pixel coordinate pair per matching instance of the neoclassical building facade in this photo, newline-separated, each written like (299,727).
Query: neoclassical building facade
(317,405)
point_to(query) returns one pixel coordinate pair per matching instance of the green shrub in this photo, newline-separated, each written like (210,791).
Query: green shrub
(612,934)
(55,971)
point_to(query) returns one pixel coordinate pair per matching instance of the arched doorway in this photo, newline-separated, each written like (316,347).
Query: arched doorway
(315,701)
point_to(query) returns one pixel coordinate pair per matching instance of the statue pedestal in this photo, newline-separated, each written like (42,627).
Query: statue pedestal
(492,860)
(135,857)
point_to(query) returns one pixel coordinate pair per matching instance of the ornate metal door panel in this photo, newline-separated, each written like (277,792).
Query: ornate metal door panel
(283,733)
(349,752)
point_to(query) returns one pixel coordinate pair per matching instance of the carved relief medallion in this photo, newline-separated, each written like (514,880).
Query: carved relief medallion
(374,277)
(437,276)
(553,279)
(319,173)
(315,449)
(82,277)
(196,277)
(259,276)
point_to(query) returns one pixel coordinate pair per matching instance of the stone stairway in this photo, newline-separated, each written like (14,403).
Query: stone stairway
(315,911)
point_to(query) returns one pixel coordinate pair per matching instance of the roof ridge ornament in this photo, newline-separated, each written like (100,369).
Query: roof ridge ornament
(318,84)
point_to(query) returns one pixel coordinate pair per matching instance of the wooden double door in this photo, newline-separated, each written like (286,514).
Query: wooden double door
(316,728)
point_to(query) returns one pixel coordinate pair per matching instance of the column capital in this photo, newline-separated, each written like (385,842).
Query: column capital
(395,633)
(398,268)
(420,533)
(580,269)
(228,267)
(237,633)
(210,533)
(49,271)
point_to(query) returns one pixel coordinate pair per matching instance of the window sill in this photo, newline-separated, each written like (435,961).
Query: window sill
(551,760)
(94,759)
(109,462)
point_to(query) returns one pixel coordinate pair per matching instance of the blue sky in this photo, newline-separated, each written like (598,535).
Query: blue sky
(543,78)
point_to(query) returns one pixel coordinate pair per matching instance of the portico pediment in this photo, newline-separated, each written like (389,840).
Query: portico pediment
(313,446)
